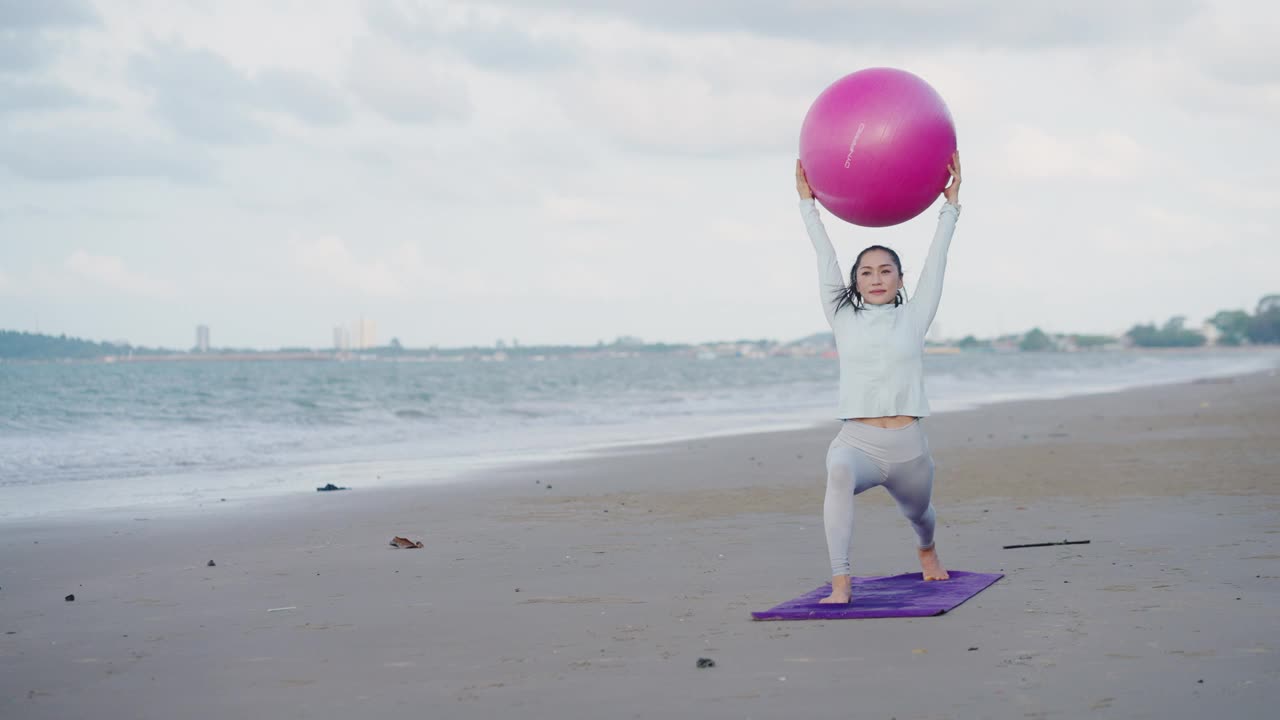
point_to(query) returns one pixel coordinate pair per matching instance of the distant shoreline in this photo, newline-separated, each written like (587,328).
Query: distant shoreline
(608,352)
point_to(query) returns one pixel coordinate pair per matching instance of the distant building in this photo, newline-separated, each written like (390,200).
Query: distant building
(365,334)
(341,339)
(202,338)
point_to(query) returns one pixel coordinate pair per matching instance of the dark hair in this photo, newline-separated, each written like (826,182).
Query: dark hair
(850,295)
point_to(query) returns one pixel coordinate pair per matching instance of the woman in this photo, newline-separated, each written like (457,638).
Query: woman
(879,336)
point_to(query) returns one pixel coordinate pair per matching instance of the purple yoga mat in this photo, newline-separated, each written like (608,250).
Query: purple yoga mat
(881,597)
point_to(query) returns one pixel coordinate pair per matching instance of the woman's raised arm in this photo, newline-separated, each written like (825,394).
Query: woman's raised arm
(830,279)
(924,303)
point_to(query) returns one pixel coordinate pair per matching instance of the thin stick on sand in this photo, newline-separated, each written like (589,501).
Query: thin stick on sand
(1064,542)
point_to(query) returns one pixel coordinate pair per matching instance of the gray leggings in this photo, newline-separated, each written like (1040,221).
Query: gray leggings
(863,456)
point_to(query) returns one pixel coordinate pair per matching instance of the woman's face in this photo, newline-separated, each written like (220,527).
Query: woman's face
(877,278)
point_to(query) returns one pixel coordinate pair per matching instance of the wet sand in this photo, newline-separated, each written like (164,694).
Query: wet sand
(590,588)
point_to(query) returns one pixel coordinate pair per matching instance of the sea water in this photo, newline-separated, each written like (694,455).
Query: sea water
(84,436)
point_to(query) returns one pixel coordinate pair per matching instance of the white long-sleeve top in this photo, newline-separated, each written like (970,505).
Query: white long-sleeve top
(881,348)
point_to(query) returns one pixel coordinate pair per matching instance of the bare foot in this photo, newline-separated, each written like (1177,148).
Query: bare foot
(841,590)
(930,565)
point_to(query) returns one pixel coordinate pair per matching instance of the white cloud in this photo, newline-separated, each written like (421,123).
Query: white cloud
(709,96)
(681,112)
(81,153)
(408,88)
(1107,155)
(110,273)
(204,96)
(484,278)
(493,38)
(47,14)
(329,263)
(1238,195)
(575,209)
(1179,231)
(895,23)
(1219,69)
(1235,41)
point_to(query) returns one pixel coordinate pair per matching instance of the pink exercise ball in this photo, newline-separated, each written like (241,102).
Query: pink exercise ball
(875,146)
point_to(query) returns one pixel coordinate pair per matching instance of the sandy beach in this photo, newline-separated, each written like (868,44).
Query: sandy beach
(592,587)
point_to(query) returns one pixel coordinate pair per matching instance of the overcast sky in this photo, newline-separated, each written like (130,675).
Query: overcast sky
(565,171)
